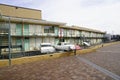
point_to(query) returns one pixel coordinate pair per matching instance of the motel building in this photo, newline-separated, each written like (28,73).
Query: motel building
(24,29)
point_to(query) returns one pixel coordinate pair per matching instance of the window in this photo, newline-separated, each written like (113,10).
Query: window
(49,29)
(46,45)
(70,32)
(73,32)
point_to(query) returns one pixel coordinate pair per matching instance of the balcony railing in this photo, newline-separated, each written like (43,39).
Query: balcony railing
(52,34)
(33,34)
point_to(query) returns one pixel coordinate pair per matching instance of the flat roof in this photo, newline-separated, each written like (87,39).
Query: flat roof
(82,29)
(31,21)
(44,22)
(19,7)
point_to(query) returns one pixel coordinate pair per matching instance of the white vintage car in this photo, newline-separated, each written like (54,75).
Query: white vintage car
(65,46)
(46,48)
(86,44)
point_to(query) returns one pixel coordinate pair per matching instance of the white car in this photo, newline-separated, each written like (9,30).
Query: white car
(65,46)
(46,48)
(86,43)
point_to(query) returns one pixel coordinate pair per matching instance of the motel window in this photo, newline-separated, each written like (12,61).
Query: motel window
(46,29)
(49,29)
(73,32)
(70,32)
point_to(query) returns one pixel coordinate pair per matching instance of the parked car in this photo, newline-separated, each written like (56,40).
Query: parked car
(77,47)
(46,48)
(65,46)
(86,44)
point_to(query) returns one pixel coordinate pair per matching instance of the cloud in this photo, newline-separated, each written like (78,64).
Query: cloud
(88,3)
(104,16)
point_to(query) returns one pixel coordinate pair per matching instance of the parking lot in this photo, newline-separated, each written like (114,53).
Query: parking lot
(80,67)
(106,57)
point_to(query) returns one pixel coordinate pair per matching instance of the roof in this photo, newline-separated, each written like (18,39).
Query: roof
(19,7)
(44,22)
(82,29)
(15,11)
(31,21)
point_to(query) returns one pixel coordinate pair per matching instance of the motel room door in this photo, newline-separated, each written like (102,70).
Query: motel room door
(18,42)
(26,29)
(26,44)
(19,29)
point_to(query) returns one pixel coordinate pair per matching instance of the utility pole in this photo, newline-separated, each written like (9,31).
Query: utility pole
(9,43)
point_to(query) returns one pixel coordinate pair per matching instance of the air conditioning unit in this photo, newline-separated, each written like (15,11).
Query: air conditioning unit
(44,34)
(34,33)
(30,33)
(51,34)
(35,48)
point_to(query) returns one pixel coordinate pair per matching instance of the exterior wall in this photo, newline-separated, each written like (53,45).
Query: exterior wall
(73,36)
(56,40)
(32,44)
(73,33)
(68,33)
(32,29)
(35,30)
(56,31)
(13,41)
(19,12)
(37,35)
(65,32)
(34,34)
(37,43)
(86,34)
(83,33)
(13,29)
(77,33)
(38,30)
(49,40)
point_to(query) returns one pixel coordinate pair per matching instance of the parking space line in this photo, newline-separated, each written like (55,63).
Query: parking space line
(110,74)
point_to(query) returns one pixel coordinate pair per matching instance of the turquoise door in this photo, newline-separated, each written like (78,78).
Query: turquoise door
(65,32)
(18,42)
(56,31)
(18,29)
(26,44)
(26,29)
(56,41)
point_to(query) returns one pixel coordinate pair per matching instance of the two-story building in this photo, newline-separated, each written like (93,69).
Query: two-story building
(24,26)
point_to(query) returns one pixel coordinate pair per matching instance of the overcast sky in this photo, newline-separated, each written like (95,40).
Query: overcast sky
(102,15)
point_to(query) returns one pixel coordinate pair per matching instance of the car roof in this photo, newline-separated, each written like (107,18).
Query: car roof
(45,43)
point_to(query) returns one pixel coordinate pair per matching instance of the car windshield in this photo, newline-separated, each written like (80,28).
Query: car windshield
(46,45)
(66,43)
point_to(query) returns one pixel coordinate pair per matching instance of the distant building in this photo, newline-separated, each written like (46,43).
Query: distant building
(108,37)
(116,37)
